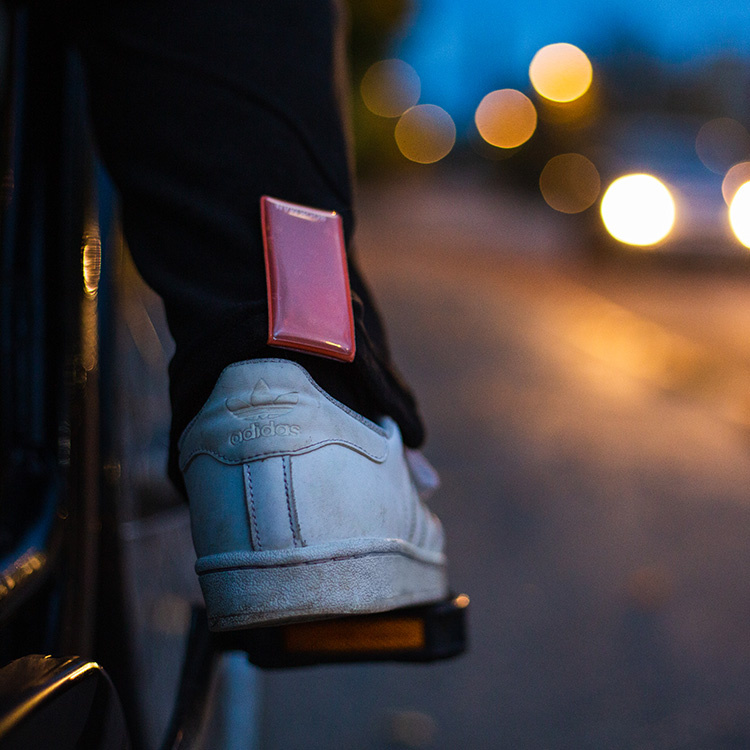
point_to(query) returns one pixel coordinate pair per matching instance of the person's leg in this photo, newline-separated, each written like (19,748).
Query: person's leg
(300,506)
(199,109)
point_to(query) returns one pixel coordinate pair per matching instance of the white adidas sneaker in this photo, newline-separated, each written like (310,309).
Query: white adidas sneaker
(300,507)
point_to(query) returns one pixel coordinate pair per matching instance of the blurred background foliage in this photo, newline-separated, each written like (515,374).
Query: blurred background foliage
(373,27)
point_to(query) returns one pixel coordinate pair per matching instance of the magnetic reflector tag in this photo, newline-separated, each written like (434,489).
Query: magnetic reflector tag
(309,299)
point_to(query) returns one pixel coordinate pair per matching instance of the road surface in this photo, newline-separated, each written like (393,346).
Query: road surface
(590,423)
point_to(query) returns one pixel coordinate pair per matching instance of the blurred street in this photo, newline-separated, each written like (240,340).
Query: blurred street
(590,424)
(553,213)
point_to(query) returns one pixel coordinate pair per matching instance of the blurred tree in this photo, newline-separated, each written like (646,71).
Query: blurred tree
(373,25)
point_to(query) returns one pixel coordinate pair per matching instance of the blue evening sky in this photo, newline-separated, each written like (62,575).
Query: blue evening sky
(464,48)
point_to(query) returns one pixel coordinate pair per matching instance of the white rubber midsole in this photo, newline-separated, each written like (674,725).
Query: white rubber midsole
(245,589)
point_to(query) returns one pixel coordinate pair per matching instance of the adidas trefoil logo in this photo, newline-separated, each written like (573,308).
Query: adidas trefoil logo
(262,403)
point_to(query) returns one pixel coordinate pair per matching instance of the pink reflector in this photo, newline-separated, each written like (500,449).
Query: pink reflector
(309,300)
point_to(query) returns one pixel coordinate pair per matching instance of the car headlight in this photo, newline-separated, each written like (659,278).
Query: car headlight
(739,214)
(638,209)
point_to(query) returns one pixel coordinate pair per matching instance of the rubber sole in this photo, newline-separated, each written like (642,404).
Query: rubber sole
(253,589)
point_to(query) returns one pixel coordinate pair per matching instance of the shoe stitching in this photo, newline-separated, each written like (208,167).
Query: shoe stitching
(306,449)
(425,517)
(425,526)
(291,504)
(250,500)
(414,519)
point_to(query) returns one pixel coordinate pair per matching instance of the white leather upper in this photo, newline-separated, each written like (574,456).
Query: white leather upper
(273,462)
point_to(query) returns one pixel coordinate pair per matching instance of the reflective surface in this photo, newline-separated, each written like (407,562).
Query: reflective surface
(159,584)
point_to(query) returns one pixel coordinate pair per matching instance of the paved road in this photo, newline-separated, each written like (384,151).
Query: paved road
(590,425)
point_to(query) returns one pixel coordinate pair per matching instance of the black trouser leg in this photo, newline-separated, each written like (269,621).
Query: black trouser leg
(199,108)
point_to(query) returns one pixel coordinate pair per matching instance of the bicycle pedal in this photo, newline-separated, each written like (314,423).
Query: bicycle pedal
(413,634)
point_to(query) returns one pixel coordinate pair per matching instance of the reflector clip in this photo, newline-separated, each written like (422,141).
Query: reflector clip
(307,278)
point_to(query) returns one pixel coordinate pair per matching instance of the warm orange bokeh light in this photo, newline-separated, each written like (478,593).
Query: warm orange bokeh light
(390,87)
(561,72)
(506,118)
(425,133)
(570,183)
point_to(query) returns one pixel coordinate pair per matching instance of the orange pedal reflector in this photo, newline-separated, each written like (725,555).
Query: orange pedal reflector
(352,635)
(414,634)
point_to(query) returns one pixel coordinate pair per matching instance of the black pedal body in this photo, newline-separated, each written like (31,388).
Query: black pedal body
(425,633)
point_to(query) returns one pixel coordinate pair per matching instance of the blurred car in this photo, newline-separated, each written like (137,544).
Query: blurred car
(658,195)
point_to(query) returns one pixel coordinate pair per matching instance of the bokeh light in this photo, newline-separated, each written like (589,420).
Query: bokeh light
(570,183)
(390,87)
(638,209)
(737,176)
(506,118)
(425,133)
(721,143)
(739,214)
(561,72)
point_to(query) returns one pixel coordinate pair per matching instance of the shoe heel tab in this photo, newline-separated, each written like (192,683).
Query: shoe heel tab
(227,381)
(270,407)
